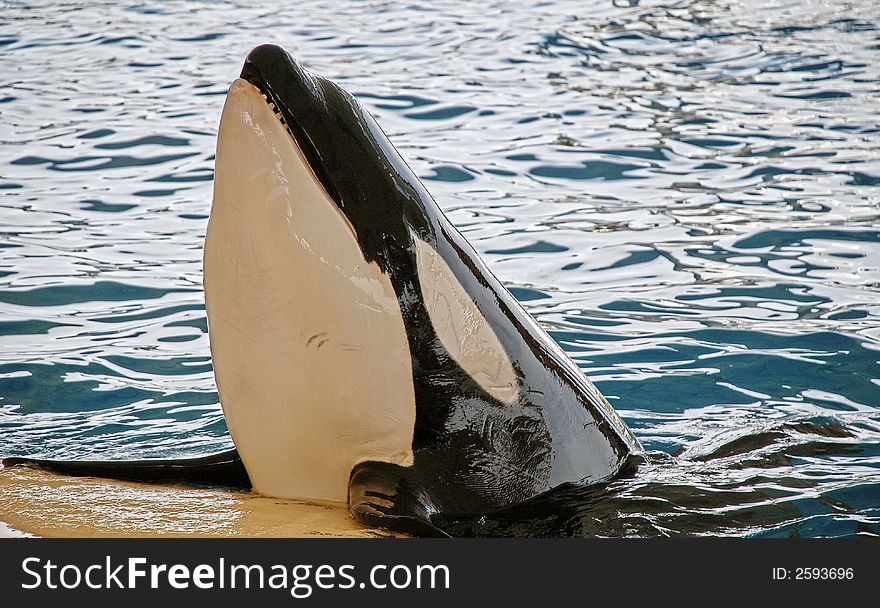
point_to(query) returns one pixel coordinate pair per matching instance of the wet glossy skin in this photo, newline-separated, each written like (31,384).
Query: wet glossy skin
(501,414)
(476,449)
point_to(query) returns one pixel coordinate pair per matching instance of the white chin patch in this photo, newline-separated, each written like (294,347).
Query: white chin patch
(308,343)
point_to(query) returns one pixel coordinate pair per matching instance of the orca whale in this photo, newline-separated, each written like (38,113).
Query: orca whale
(363,351)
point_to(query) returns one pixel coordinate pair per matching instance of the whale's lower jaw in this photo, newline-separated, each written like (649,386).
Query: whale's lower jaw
(309,349)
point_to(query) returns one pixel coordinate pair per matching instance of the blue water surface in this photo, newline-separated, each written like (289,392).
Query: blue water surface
(684,193)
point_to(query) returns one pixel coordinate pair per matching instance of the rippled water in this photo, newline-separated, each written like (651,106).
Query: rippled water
(685,193)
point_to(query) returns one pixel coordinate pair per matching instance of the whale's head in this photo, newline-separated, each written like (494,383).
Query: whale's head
(361,172)
(309,348)
(350,322)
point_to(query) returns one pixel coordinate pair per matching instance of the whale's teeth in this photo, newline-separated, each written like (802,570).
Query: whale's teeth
(274,107)
(277,111)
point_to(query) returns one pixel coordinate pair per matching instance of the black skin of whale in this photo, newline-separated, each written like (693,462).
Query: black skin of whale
(495,455)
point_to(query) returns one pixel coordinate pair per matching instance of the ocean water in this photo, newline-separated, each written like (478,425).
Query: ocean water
(684,193)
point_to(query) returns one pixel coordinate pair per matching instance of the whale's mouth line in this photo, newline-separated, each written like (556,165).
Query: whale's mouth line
(273,103)
(271,99)
(301,137)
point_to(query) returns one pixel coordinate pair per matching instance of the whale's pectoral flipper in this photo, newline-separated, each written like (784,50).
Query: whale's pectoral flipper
(384,495)
(223,469)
